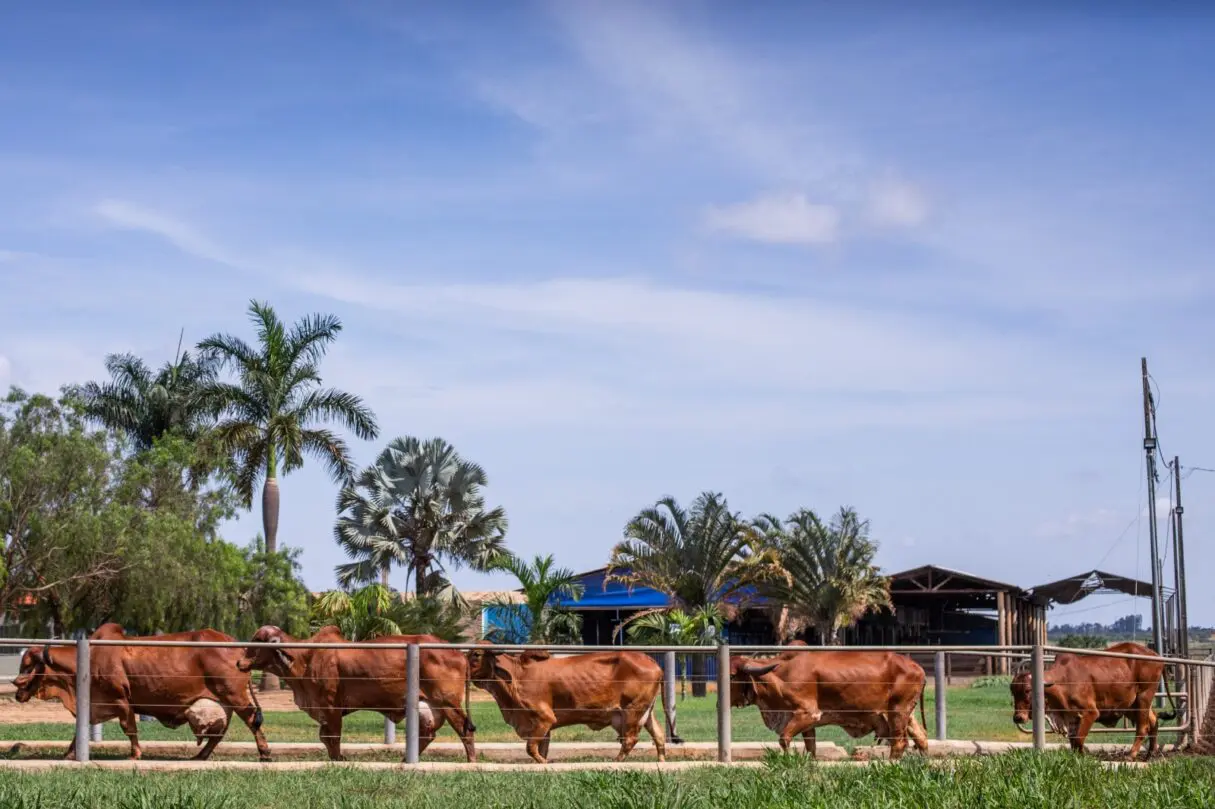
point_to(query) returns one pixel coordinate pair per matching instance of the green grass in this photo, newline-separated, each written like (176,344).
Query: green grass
(1022,780)
(982,713)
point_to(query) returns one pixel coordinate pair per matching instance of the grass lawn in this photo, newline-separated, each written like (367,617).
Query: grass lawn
(1022,780)
(974,713)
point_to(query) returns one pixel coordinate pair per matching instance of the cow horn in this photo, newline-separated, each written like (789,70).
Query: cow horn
(1022,728)
(756,671)
(46,656)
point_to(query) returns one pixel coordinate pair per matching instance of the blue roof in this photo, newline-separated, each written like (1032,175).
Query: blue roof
(600,594)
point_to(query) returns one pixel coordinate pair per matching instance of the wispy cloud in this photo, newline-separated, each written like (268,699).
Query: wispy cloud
(128,216)
(777,219)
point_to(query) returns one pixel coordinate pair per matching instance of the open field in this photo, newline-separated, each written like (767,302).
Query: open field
(978,713)
(1028,781)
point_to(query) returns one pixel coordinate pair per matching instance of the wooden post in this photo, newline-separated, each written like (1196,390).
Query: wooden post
(1001,631)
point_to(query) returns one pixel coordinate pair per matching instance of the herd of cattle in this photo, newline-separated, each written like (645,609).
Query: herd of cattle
(796,692)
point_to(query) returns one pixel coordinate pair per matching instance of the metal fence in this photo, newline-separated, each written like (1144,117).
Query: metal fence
(1194,677)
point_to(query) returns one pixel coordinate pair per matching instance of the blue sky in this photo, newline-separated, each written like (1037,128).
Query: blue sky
(797,253)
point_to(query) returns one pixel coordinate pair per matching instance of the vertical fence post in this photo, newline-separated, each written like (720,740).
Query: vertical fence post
(413,673)
(938,676)
(723,703)
(83,699)
(668,692)
(95,733)
(390,731)
(1039,696)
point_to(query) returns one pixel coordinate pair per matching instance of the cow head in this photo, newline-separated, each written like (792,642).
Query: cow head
(1022,689)
(744,673)
(275,661)
(42,676)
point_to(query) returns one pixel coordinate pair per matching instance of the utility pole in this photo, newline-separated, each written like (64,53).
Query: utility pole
(1149,447)
(1183,624)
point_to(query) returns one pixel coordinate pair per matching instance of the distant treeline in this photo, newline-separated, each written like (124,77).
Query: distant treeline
(1124,628)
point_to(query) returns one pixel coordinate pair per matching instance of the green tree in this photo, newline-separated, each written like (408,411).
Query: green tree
(700,557)
(95,535)
(538,619)
(145,406)
(1083,641)
(271,591)
(822,575)
(420,506)
(268,418)
(701,627)
(375,610)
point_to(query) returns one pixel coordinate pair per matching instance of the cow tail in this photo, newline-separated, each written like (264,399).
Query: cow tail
(469,727)
(258,716)
(923,720)
(1168,717)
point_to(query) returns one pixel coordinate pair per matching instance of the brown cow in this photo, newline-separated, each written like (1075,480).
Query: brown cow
(536,693)
(861,692)
(329,684)
(1083,689)
(161,682)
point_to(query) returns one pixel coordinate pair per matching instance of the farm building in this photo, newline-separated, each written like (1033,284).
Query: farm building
(932,606)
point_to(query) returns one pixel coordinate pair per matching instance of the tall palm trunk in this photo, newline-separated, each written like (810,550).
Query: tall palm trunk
(270,501)
(828,633)
(384,575)
(270,682)
(700,671)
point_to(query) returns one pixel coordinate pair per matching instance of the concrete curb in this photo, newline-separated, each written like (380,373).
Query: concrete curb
(509,753)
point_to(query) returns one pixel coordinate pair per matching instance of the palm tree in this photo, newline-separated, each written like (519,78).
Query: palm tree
(419,506)
(146,406)
(269,416)
(822,575)
(700,557)
(376,610)
(537,617)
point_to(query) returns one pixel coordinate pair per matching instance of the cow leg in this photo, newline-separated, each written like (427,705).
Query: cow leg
(898,736)
(1087,718)
(628,740)
(544,743)
(462,724)
(1145,724)
(655,730)
(331,734)
(918,735)
(249,715)
(70,755)
(799,722)
(130,726)
(810,739)
(537,734)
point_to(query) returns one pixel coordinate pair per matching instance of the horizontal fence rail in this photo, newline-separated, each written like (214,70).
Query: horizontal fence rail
(1191,675)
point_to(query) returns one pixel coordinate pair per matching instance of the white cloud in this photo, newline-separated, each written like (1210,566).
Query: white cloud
(897,204)
(777,219)
(1164,506)
(128,216)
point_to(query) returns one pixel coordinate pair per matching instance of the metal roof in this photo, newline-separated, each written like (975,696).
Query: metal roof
(977,582)
(1082,585)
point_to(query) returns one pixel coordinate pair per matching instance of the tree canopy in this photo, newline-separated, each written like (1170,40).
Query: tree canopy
(820,575)
(270,417)
(422,507)
(94,534)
